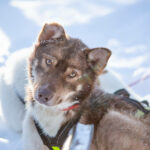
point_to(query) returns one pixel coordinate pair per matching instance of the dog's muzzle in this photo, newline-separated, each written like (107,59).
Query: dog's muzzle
(43,94)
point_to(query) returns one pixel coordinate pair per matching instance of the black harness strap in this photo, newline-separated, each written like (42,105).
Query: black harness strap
(59,139)
(122,92)
(126,97)
(145,102)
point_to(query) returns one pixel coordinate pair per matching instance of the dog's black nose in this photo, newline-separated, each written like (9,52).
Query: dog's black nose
(44,94)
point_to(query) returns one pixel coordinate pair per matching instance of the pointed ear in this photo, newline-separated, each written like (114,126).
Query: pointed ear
(98,58)
(51,31)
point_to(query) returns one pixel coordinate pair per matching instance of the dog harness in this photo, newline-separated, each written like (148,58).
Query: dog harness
(55,143)
(141,110)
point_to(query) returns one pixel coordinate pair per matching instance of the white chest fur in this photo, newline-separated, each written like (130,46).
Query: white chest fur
(50,119)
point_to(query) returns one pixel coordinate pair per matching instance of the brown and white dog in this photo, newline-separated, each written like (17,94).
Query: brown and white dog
(62,75)
(62,72)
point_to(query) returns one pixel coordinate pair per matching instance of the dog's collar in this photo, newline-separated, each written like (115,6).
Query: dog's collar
(71,107)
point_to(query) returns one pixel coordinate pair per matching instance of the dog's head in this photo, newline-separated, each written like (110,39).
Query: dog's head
(63,69)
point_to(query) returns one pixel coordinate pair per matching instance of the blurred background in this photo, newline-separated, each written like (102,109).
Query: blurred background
(120,25)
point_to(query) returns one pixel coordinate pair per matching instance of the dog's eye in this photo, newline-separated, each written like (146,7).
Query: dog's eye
(73,74)
(49,61)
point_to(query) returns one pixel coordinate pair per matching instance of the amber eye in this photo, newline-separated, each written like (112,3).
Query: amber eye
(73,74)
(49,61)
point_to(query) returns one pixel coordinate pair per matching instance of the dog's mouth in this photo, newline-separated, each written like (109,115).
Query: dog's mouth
(71,103)
(48,98)
(63,106)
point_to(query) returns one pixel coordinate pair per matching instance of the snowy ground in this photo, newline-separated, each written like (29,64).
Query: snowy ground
(9,140)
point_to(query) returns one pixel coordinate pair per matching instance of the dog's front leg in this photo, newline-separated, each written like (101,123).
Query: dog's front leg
(31,138)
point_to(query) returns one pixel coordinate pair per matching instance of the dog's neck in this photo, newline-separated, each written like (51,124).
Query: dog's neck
(51,119)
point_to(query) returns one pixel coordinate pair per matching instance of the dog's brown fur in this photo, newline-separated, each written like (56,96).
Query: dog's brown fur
(116,124)
(60,65)
(69,55)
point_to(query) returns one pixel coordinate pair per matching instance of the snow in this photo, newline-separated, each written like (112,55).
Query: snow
(83,131)
(9,139)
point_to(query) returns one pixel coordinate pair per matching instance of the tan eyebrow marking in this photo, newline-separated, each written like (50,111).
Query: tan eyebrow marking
(49,56)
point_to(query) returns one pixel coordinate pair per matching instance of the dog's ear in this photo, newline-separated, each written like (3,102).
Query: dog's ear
(51,31)
(98,58)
